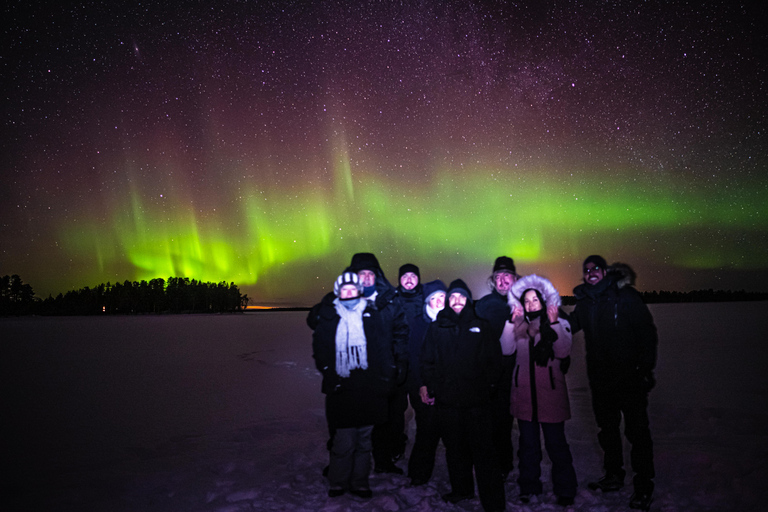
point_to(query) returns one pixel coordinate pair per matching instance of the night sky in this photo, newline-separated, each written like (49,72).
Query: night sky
(266,142)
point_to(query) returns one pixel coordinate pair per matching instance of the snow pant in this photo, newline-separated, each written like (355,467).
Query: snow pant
(529,458)
(502,418)
(350,458)
(389,438)
(609,404)
(466,434)
(422,460)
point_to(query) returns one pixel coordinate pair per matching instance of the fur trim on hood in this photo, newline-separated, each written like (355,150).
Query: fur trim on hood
(623,274)
(543,285)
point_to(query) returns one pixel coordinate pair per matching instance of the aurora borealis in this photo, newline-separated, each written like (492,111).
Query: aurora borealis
(266,142)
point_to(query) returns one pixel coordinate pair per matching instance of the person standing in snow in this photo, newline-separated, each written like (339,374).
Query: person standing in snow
(410,293)
(460,366)
(541,338)
(394,331)
(357,367)
(621,343)
(494,308)
(422,460)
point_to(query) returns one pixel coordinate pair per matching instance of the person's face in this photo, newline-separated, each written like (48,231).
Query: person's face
(457,301)
(593,274)
(409,281)
(348,291)
(531,301)
(503,281)
(367,277)
(437,301)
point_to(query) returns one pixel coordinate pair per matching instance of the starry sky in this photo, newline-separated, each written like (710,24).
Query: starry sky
(266,142)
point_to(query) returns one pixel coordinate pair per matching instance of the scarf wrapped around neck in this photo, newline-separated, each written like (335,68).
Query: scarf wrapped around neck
(351,347)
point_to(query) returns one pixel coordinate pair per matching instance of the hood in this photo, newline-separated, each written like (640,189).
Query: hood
(623,274)
(543,285)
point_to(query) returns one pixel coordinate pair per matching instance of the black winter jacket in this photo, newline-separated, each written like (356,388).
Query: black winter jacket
(361,398)
(620,335)
(461,359)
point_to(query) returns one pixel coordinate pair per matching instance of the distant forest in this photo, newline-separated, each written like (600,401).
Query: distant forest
(182,295)
(710,295)
(176,295)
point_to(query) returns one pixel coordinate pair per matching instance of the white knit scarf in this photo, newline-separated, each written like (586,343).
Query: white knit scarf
(432,312)
(351,347)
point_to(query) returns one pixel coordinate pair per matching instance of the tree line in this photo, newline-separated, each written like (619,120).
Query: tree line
(176,295)
(710,295)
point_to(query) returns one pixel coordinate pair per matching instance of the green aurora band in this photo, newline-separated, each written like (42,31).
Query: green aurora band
(465,217)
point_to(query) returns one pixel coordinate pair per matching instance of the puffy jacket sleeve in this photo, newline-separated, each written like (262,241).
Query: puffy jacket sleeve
(562,346)
(508,341)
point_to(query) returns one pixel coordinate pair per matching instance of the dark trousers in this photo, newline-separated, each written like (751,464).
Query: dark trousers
(503,419)
(466,434)
(563,473)
(422,460)
(389,438)
(609,405)
(350,458)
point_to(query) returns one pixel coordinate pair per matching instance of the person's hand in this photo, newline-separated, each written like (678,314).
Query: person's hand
(517,313)
(424,394)
(552,313)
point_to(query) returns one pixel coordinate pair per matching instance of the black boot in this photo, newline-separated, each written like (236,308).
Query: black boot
(608,483)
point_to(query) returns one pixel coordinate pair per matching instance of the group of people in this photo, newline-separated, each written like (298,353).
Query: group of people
(468,368)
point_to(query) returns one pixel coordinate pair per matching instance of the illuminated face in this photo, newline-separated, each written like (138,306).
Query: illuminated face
(593,274)
(503,281)
(348,291)
(409,281)
(437,301)
(457,301)
(531,301)
(367,278)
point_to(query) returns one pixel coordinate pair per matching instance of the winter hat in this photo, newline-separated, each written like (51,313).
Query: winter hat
(459,286)
(432,288)
(347,278)
(598,261)
(504,264)
(365,261)
(408,267)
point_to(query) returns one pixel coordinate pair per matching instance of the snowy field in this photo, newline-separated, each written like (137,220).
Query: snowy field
(224,413)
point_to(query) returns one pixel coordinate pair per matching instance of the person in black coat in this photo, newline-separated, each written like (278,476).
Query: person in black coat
(410,293)
(359,375)
(382,296)
(621,343)
(393,330)
(495,308)
(460,366)
(422,460)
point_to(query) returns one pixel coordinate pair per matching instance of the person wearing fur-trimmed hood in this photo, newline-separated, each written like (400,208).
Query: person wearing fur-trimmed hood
(621,346)
(541,338)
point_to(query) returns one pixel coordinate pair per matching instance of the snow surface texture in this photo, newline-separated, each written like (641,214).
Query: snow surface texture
(224,413)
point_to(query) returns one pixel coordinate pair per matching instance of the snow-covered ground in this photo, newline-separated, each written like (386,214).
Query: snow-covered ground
(224,413)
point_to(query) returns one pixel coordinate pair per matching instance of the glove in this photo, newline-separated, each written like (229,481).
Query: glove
(543,352)
(565,364)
